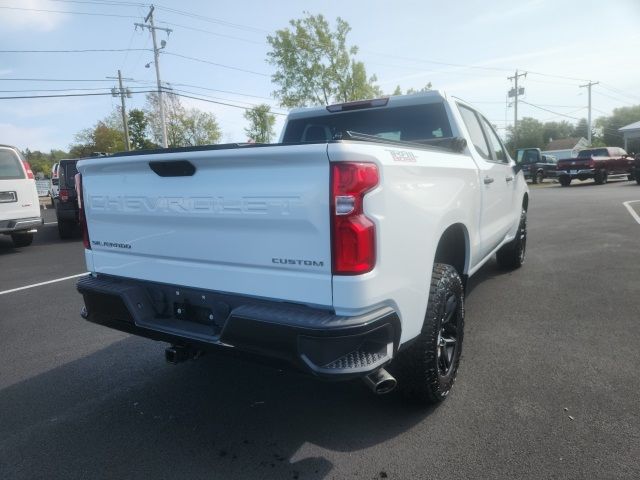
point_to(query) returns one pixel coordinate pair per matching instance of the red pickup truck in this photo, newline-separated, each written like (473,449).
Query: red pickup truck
(596,163)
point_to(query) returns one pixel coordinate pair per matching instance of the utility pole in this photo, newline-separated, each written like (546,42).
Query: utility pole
(156,56)
(122,92)
(588,86)
(515,92)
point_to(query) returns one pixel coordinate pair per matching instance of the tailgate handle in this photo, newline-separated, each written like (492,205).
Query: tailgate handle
(173,168)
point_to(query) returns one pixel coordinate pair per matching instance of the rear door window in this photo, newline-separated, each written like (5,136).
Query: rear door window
(495,143)
(475,132)
(10,167)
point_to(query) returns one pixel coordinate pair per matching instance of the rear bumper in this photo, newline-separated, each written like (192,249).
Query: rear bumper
(312,340)
(20,224)
(579,174)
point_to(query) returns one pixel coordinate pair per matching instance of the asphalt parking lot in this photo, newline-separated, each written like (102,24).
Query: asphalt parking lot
(549,385)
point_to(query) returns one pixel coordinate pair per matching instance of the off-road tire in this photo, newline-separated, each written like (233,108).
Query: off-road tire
(512,255)
(539,177)
(65,229)
(22,239)
(427,370)
(601,177)
(565,180)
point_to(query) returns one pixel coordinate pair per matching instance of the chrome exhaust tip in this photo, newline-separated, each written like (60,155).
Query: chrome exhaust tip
(380,382)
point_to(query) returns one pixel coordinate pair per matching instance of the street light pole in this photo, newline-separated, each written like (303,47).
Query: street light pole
(156,61)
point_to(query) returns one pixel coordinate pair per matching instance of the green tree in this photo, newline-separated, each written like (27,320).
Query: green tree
(581,129)
(314,65)
(426,88)
(100,138)
(556,130)
(139,130)
(261,122)
(410,91)
(185,127)
(609,125)
(530,134)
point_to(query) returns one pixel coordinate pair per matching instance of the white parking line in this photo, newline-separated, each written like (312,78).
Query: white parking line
(43,283)
(635,216)
(50,223)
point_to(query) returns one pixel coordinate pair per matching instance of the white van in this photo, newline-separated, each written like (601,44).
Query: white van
(19,203)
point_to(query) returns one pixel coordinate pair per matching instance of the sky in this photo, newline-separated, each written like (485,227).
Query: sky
(467,48)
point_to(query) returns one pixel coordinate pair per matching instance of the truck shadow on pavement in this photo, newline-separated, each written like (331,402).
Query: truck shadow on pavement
(122,412)
(46,235)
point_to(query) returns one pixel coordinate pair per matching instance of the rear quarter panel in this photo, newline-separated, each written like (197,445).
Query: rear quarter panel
(420,194)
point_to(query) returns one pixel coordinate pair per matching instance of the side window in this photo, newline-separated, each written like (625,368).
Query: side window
(495,143)
(475,132)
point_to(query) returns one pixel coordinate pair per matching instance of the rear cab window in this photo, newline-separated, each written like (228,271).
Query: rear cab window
(414,123)
(10,165)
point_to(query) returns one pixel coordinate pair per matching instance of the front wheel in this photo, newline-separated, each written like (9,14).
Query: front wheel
(539,177)
(601,177)
(565,180)
(427,369)
(22,239)
(511,255)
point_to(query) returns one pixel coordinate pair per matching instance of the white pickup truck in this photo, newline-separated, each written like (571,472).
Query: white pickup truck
(343,250)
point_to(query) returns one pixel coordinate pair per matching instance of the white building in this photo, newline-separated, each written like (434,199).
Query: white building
(631,132)
(566,147)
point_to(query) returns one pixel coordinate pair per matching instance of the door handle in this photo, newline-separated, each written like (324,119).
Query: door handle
(509,178)
(488,180)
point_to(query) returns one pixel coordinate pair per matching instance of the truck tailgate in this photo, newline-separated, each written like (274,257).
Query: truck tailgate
(252,221)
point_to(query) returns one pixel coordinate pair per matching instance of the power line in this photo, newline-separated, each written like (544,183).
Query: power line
(209,32)
(217,21)
(103,2)
(59,90)
(53,80)
(619,92)
(218,98)
(216,90)
(63,95)
(86,50)
(550,111)
(93,14)
(215,64)
(436,62)
(71,80)
(555,76)
(220,103)
(612,98)
(541,104)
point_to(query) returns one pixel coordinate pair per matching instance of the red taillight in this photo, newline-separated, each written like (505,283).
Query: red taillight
(81,216)
(63,194)
(27,168)
(353,234)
